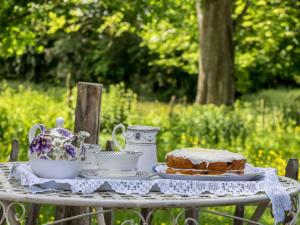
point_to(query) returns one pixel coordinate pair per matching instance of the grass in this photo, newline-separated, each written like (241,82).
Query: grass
(276,98)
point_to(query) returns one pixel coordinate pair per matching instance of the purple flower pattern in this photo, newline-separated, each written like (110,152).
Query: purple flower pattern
(65,133)
(70,150)
(50,145)
(40,145)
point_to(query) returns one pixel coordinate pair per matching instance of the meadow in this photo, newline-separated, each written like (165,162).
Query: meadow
(264,127)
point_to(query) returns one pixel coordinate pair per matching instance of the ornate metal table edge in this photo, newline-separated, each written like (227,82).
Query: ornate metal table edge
(9,214)
(146,220)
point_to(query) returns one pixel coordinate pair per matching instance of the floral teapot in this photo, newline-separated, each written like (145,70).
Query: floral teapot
(56,143)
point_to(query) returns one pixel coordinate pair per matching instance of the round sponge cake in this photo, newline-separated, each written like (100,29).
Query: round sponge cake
(204,161)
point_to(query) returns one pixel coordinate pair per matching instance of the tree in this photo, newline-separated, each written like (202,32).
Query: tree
(180,43)
(265,34)
(153,46)
(216,60)
(267,46)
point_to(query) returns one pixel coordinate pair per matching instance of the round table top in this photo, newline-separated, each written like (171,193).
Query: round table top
(12,190)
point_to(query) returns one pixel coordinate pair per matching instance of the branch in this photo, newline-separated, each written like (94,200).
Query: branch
(239,18)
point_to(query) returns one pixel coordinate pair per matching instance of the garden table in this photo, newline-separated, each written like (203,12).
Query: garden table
(15,195)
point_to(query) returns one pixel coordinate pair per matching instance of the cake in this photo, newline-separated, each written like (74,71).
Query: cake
(201,161)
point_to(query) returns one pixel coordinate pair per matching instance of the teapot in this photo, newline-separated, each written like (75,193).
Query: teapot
(56,143)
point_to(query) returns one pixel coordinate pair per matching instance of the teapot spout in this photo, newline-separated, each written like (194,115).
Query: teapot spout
(79,143)
(83,135)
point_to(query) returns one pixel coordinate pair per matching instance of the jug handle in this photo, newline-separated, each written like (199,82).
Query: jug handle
(116,143)
(33,129)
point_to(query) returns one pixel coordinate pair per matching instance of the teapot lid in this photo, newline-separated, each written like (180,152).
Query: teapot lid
(59,132)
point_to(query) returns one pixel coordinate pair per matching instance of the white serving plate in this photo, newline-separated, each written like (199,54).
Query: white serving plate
(248,176)
(117,174)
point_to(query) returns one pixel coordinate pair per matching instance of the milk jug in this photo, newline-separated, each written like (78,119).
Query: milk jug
(139,138)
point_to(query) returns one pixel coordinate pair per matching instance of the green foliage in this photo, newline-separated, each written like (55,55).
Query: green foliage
(172,33)
(151,46)
(266,135)
(267,41)
(263,128)
(23,105)
(118,104)
(278,97)
(287,100)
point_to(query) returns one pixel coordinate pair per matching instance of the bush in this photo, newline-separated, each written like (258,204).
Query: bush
(266,137)
(23,105)
(117,105)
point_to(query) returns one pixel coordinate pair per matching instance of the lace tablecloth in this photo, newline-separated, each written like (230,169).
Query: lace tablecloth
(268,183)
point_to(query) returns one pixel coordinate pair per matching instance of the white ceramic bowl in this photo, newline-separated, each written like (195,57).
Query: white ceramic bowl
(123,160)
(55,169)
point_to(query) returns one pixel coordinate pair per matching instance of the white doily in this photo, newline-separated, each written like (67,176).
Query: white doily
(268,183)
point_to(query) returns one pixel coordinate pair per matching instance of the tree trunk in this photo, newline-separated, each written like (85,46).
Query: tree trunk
(216,57)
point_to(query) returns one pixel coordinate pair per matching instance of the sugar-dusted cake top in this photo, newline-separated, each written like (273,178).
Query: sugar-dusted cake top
(198,155)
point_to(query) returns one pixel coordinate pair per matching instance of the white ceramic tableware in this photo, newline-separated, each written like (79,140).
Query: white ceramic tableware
(55,169)
(56,153)
(124,160)
(90,161)
(56,143)
(139,138)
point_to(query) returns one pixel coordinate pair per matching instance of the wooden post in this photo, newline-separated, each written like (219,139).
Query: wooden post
(292,169)
(259,211)
(33,214)
(109,146)
(239,212)
(263,106)
(87,118)
(14,153)
(87,113)
(192,213)
(171,105)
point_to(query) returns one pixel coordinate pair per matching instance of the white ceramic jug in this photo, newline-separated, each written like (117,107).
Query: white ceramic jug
(139,138)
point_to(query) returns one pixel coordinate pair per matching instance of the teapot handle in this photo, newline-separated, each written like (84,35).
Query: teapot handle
(33,129)
(116,143)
